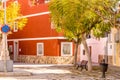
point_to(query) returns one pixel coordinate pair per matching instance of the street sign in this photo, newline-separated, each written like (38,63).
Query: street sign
(5,28)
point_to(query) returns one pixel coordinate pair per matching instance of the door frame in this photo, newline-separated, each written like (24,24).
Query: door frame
(16,48)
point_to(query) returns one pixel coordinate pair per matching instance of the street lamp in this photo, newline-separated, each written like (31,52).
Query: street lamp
(7,64)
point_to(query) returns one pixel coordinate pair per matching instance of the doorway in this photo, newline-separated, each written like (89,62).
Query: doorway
(16,50)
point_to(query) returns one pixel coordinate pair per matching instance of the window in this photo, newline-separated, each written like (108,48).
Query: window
(66,49)
(109,38)
(117,36)
(15,27)
(110,46)
(35,2)
(88,36)
(16,1)
(52,25)
(90,50)
(83,52)
(40,49)
(1,5)
(46,1)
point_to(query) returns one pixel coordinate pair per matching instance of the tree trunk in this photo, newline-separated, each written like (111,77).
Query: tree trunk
(87,53)
(76,52)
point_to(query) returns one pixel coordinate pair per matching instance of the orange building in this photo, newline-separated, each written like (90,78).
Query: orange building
(38,42)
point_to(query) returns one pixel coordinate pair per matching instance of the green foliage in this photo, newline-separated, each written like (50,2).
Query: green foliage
(100,29)
(77,17)
(71,17)
(12,13)
(105,9)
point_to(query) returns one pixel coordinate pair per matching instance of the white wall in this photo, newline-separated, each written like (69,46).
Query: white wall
(97,47)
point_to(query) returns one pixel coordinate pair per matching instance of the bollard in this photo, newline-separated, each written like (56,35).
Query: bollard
(104,67)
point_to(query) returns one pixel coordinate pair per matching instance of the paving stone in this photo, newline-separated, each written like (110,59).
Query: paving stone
(62,72)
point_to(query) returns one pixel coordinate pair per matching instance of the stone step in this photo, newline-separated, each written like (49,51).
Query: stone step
(16,73)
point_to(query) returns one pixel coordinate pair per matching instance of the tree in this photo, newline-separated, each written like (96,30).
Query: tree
(108,11)
(77,18)
(71,17)
(12,13)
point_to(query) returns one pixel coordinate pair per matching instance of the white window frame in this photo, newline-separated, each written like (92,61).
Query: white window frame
(33,3)
(46,1)
(62,47)
(109,38)
(16,2)
(52,25)
(42,45)
(15,27)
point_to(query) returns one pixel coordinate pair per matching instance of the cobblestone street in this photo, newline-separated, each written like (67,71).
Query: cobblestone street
(61,72)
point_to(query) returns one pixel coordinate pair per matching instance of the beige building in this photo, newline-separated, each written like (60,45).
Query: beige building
(114,46)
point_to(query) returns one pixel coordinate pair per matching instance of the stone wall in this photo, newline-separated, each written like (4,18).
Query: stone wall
(46,59)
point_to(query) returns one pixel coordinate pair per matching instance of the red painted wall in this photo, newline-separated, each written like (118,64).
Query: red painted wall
(51,47)
(39,26)
(27,9)
(30,47)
